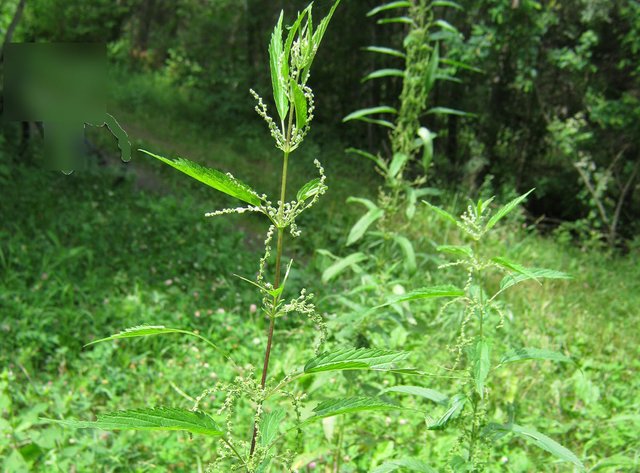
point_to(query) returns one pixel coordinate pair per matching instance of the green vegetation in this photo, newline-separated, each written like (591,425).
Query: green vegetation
(434,343)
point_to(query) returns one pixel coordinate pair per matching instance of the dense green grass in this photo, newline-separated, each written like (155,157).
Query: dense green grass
(83,256)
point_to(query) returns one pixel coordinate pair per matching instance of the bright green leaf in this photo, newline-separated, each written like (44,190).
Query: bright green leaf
(481,363)
(340,265)
(495,218)
(389,6)
(381,73)
(387,51)
(430,394)
(365,112)
(531,273)
(425,293)
(351,405)
(157,418)
(455,407)
(213,178)
(404,464)
(300,104)
(355,359)
(361,226)
(521,354)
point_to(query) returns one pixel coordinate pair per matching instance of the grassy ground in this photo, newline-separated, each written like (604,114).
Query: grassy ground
(84,256)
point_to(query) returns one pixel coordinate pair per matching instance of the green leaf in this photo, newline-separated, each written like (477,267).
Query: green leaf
(219,181)
(425,293)
(456,250)
(442,213)
(381,73)
(531,273)
(380,122)
(430,394)
(149,330)
(277,63)
(300,104)
(407,250)
(427,143)
(351,405)
(461,65)
(361,226)
(481,362)
(455,407)
(500,214)
(155,418)
(432,69)
(540,440)
(398,19)
(316,39)
(360,200)
(445,25)
(376,159)
(513,266)
(389,6)
(310,189)
(269,426)
(365,112)
(449,111)
(355,359)
(339,266)
(406,464)
(397,163)
(447,3)
(387,51)
(521,354)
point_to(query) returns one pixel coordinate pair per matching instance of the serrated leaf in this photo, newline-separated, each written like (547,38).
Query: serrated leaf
(351,405)
(427,393)
(455,407)
(425,293)
(381,73)
(540,440)
(389,6)
(500,214)
(406,464)
(513,266)
(277,63)
(213,178)
(387,51)
(456,250)
(521,354)
(355,359)
(361,226)
(269,426)
(340,265)
(316,39)
(300,104)
(442,213)
(155,418)
(365,112)
(139,331)
(481,363)
(532,273)
(150,330)
(310,189)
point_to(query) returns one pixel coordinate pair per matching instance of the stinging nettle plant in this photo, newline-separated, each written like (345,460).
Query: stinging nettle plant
(291,55)
(480,349)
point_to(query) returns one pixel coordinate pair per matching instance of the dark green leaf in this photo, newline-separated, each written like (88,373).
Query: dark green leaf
(300,103)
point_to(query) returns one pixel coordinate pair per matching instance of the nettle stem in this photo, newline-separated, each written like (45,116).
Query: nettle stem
(276,283)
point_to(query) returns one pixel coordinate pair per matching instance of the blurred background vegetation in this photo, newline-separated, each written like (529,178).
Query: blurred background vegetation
(552,101)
